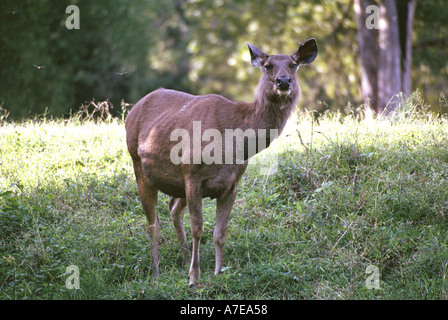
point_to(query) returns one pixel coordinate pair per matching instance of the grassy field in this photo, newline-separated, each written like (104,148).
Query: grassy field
(345,194)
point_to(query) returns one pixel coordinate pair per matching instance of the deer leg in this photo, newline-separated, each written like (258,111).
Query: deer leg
(177,209)
(223,208)
(148,198)
(194,202)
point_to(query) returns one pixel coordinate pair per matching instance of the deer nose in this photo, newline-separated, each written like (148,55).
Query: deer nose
(283,82)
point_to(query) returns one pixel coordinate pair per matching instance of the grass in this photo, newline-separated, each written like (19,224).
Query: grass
(346,193)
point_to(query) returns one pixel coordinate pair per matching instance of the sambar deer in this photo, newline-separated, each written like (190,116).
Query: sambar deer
(149,128)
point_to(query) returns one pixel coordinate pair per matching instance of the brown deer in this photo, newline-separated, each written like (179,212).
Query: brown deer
(149,128)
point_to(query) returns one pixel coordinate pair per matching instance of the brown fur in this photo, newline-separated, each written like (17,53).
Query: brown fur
(153,119)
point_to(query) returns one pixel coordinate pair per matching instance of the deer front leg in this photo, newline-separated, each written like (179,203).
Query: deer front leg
(194,203)
(223,208)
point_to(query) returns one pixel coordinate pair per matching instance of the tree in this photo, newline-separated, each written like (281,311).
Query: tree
(125,49)
(384,36)
(45,67)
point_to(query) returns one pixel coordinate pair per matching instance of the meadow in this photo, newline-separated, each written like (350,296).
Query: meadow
(342,195)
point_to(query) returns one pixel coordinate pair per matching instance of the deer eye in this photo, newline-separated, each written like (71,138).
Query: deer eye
(268,67)
(294,66)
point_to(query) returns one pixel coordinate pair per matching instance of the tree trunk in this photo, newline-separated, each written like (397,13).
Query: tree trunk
(389,70)
(368,52)
(406,11)
(385,52)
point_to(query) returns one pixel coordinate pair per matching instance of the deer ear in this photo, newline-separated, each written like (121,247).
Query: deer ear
(258,57)
(306,53)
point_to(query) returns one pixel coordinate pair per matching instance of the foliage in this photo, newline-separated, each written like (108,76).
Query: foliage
(430,70)
(47,66)
(348,193)
(125,49)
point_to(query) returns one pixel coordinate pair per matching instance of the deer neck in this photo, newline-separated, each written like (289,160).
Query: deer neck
(273,111)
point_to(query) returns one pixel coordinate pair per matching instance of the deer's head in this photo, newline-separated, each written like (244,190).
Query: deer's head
(279,78)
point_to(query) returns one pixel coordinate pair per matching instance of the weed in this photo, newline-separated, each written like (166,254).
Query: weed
(348,192)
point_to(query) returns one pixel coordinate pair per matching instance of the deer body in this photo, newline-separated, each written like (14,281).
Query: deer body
(149,128)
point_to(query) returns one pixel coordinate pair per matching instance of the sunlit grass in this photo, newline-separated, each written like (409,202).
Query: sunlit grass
(346,193)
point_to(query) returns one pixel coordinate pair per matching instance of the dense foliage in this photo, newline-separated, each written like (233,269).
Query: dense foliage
(125,49)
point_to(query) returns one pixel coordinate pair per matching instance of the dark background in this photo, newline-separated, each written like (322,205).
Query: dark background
(125,49)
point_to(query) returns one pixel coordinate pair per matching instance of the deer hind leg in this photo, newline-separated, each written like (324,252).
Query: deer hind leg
(223,208)
(148,197)
(194,203)
(177,209)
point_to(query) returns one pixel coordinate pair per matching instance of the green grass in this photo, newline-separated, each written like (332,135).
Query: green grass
(347,193)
